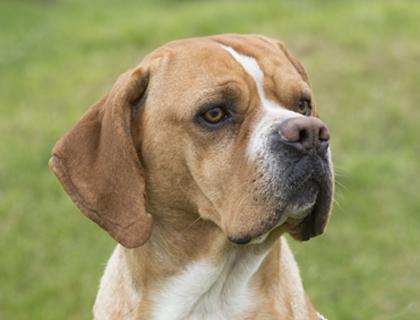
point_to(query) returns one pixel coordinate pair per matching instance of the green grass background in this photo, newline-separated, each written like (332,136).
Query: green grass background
(59,57)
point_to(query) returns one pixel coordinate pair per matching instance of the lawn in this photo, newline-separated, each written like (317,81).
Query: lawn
(59,57)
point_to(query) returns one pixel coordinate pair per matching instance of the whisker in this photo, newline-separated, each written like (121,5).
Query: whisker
(337,203)
(341,185)
(191,224)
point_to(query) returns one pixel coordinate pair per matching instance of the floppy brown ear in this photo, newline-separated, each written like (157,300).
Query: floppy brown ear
(98,166)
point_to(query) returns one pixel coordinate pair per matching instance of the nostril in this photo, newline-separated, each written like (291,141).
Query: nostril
(324,138)
(303,135)
(324,134)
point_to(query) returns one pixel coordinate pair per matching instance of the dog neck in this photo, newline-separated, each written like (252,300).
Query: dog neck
(220,289)
(190,271)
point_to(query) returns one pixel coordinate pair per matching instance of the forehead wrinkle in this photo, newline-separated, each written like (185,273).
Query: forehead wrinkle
(251,66)
(272,112)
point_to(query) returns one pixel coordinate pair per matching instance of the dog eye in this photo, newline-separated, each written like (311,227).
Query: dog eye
(304,107)
(214,115)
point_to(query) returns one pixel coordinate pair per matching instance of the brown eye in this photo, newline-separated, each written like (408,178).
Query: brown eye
(214,115)
(304,107)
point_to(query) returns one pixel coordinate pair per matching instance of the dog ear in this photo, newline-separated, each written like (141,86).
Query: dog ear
(98,165)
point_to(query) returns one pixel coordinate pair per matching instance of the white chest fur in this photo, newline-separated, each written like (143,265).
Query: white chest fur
(209,291)
(202,290)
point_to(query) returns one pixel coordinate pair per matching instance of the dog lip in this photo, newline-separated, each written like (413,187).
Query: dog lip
(282,216)
(300,214)
(280,220)
(241,240)
(314,224)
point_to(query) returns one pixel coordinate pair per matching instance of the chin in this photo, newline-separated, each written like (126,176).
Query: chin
(304,215)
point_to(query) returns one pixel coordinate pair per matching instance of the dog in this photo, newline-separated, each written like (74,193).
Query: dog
(196,163)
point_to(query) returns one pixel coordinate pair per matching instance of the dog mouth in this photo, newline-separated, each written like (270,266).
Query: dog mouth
(284,220)
(301,207)
(290,216)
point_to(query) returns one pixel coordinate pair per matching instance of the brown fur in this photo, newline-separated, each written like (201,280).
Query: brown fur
(138,166)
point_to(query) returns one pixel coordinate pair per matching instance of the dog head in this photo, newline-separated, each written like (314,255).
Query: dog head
(224,128)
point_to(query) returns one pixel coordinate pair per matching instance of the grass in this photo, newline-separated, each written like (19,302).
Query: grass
(58,57)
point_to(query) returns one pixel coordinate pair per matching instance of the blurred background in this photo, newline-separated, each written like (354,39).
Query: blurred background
(363,57)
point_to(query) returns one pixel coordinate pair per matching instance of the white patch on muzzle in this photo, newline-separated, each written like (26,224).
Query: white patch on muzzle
(273,113)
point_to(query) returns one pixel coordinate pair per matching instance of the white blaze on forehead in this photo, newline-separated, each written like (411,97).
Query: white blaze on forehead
(272,112)
(252,68)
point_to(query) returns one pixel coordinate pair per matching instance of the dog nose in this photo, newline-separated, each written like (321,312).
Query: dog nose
(305,133)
